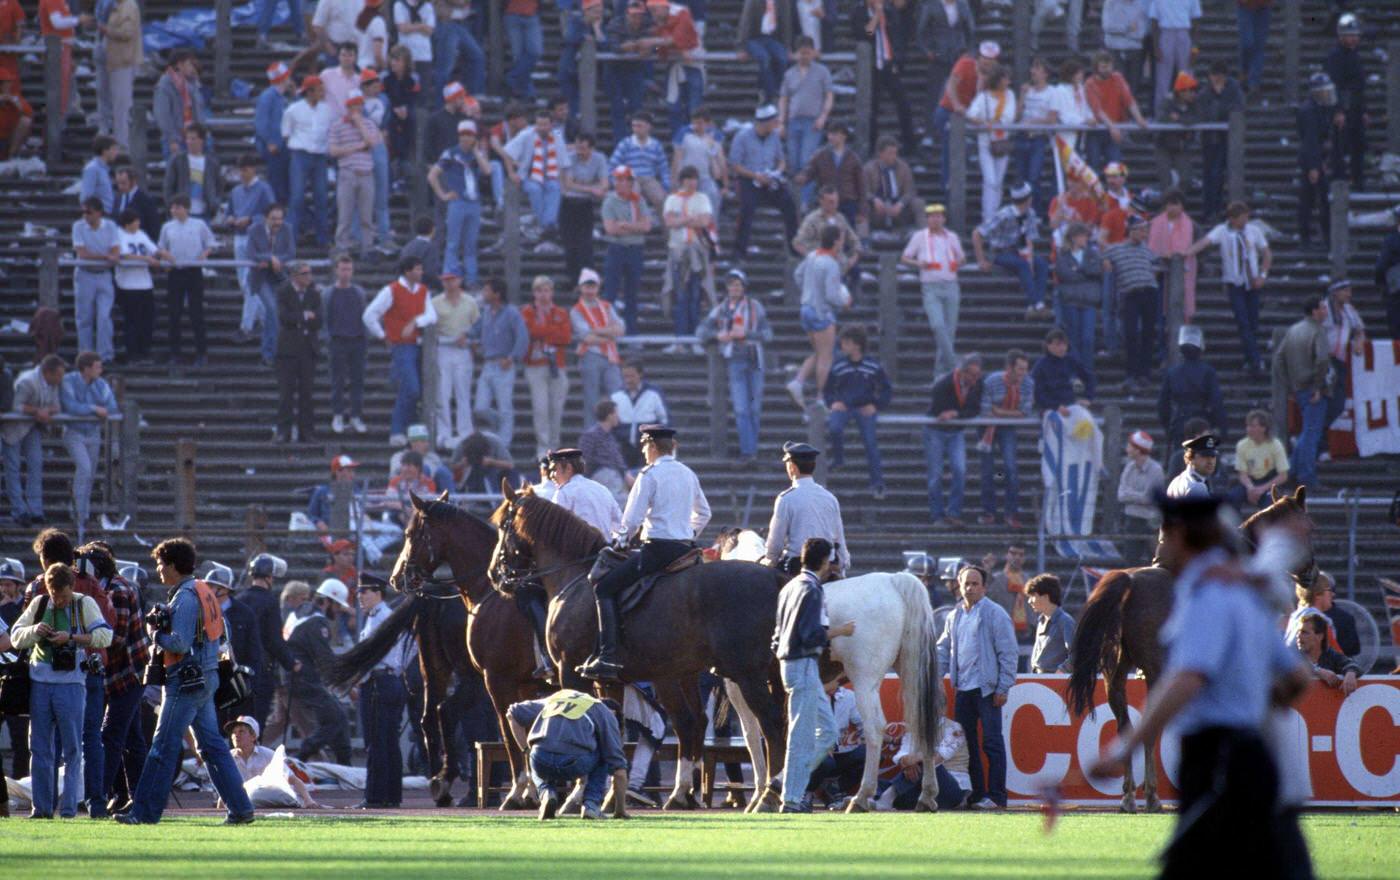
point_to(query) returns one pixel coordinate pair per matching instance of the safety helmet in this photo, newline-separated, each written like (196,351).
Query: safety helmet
(12,570)
(133,573)
(1190,334)
(336,591)
(218,575)
(1349,25)
(267,565)
(920,564)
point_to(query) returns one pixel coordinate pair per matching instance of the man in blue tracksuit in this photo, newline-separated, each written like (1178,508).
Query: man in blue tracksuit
(190,646)
(571,735)
(802,632)
(856,388)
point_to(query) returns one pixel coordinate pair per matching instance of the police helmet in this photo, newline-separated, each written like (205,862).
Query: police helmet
(133,573)
(218,575)
(1190,334)
(267,565)
(1348,25)
(920,565)
(12,570)
(336,591)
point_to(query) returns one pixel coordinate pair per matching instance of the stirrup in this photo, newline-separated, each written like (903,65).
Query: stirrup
(600,670)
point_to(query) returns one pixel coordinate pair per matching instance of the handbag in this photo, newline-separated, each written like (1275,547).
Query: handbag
(1000,148)
(235,681)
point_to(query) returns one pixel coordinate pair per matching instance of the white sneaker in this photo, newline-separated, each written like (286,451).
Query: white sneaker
(398,440)
(338,424)
(987,804)
(697,349)
(794,390)
(673,348)
(358,424)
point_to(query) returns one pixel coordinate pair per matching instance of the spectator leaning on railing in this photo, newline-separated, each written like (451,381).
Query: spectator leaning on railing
(37,395)
(1141,479)
(956,395)
(1009,394)
(857,388)
(1060,380)
(86,394)
(135,289)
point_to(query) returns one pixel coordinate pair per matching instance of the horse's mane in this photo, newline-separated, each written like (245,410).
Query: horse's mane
(1281,508)
(540,521)
(446,511)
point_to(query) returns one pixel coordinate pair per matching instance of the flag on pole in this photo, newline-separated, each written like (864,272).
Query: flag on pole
(1075,168)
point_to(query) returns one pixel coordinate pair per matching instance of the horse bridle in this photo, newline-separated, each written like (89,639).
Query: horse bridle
(415,578)
(514,567)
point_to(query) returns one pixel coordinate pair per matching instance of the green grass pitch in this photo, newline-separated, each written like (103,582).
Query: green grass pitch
(1344,845)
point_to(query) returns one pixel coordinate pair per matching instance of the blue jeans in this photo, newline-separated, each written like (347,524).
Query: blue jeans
(403,372)
(268,8)
(811,729)
(941,443)
(544,201)
(950,794)
(268,297)
(95,706)
(452,40)
(1214,163)
(526,47)
(120,721)
(1303,464)
(1004,445)
(685,311)
(746,397)
(942,117)
(552,771)
(970,709)
(1031,153)
(1102,149)
(1079,324)
(279,169)
(55,709)
(179,712)
(622,274)
(772,59)
(27,498)
(1033,276)
(1244,302)
(626,85)
(1110,313)
(380,154)
(1254,36)
(463,229)
(689,95)
(804,139)
(309,169)
(495,389)
(836,427)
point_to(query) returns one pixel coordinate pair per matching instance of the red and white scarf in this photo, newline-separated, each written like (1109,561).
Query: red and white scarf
(545,163)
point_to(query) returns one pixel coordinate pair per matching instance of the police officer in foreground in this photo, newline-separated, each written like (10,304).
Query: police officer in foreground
(669,507)
(1225,663)
(382,698)
(189,638)
(309,640)
(263,571)
(804,510)
(1202,454)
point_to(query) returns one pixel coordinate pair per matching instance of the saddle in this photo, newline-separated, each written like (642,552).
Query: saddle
(630,597)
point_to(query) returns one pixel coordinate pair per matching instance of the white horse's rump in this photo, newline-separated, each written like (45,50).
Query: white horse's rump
(894,630)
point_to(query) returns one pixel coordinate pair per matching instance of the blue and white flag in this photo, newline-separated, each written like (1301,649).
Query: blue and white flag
(1071,456)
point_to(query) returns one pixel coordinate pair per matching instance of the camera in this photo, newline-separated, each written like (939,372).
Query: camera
(155,669)
(65,657)
(92,665)
(190,678)
(158,617)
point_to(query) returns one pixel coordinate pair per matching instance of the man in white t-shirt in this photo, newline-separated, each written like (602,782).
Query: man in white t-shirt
(938,253)
(1245,259)
(135,289)
(688,215)
(333,23)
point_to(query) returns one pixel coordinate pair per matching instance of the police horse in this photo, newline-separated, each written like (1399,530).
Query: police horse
(498,643)
(1119,631)
(722,615)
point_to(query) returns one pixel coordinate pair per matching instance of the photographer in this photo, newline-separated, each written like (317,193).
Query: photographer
(61,629)
(188,633)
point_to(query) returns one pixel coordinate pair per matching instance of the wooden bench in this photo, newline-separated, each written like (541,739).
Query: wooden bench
(722,750)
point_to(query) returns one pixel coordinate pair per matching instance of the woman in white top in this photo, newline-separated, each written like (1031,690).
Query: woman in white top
(1037,105)
(1071,104)
(135,291)
(995,103)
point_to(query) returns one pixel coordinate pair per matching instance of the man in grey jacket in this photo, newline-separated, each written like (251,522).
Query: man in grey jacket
(177,91)
(37,395)
(571,735)
(978,648)
(1301,364)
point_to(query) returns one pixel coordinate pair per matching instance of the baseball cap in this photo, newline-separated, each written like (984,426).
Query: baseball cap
(418,432)
(310,82)
(341,462)
(466,125)
(989,49)
(278,72)
(588,276)
(1184,81)
(247,721)
(1142,440)
(453,90)
(356,98)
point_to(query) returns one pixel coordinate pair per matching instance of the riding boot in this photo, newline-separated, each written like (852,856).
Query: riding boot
(604,667)
(536,611)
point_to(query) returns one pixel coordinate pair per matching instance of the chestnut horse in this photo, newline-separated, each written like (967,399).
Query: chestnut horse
(1118,631)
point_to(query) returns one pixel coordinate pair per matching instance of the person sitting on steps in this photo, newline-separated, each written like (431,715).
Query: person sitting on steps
(669,506)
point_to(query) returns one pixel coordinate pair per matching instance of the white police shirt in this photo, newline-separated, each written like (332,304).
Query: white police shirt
(666,502)
(393,661)
(806,510)
(1188,484)
(591,502)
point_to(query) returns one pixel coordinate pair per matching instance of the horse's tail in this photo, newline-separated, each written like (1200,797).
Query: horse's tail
(917,665)
(1098,631)
(363,657)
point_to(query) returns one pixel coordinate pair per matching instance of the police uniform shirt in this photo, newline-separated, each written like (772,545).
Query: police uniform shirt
(1224,632)
(806,510)
(1188,484)
(591,502)
(308,635)
(666,502)
(546,489)
(393,661)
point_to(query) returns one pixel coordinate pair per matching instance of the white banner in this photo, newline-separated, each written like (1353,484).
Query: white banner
(1071,456)
(1375,382)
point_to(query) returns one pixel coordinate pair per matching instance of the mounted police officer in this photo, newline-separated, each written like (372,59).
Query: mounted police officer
(382,698)
(804,510)
(263,571)
(1225,663)
(308,634)
(1202,454)
(669,507)
(588,499)
(188,636)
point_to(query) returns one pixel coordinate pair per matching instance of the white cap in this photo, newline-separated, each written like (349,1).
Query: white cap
(1190,334)
(249,720)
(989,49)
(588,276)
(766,112)
(466,125)
(335,590)
(1142,440)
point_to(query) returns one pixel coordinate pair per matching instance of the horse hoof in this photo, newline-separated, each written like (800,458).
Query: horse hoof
(1154,805)
(1129,805)
(926,807)
(514,802)
(856,805)
(675,802)
(443,800)
(691,802)
(437,788)
(762,806)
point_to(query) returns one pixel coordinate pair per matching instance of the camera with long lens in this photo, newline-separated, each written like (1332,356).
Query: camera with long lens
(65,657)
(158,617)
(155,669)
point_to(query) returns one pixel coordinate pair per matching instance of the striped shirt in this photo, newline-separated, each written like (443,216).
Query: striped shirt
(994,393)
(1135,266)
(1009,230)
(359,135)
(645,160)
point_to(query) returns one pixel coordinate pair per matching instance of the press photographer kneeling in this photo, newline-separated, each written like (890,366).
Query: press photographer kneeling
(63,631)
(187,632)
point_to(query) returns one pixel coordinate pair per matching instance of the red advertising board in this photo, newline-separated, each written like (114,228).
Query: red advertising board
(1350,745)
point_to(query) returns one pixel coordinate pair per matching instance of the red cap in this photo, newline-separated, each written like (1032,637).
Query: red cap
(310,82)
(341,545)
(278,72)
(369,74)
(341,462)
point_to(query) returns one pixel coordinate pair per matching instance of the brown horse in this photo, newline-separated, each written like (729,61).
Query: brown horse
(1119,627)
(715,616)
(498,643)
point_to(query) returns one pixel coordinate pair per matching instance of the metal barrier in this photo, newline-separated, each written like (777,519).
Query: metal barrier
(51,260)
(1350,500)
(120,467)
